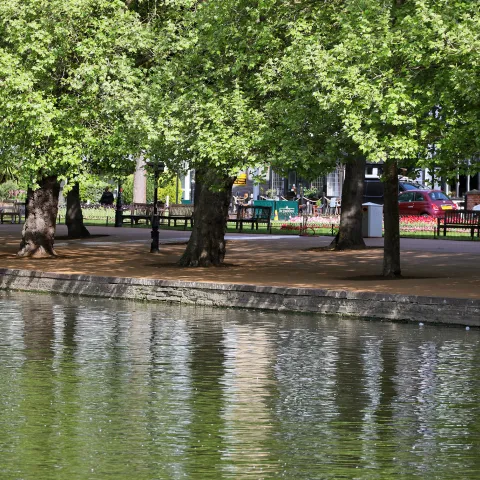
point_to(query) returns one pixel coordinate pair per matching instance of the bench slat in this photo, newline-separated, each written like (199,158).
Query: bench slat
(468,219)
(178,212)
(254,215)
(12,210)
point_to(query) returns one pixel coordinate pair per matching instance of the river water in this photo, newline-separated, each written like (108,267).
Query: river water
(100,389)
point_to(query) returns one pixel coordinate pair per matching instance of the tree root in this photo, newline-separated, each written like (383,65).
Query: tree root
(36,252)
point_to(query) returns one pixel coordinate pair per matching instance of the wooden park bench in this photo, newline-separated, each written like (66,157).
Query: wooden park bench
(253,215)
(137,212)
(459,219)
(12,211)
(177,212)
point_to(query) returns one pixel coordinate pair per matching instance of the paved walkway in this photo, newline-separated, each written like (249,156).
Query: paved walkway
(440,268)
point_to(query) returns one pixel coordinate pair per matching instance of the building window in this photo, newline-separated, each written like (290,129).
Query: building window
(277,183)
(317,184)
(334,182)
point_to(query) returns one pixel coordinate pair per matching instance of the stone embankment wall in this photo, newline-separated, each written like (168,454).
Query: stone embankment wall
(412,308)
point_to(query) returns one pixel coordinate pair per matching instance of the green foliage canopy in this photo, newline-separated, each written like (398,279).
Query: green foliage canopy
(200,104)
(394,77)
(69,84)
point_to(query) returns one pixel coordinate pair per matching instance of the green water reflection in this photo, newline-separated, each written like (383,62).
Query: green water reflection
(95,389)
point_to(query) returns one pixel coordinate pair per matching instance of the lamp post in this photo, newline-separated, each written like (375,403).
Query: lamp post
(157,167)
(118,206)
(154,247)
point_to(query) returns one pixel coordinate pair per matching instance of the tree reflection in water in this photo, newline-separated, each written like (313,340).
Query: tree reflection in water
(96,388)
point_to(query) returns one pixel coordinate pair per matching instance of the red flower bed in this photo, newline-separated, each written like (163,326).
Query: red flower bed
(414,223)
(408,224)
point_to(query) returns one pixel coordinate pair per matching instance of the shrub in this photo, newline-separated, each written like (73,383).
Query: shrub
(167,185)
(92,191)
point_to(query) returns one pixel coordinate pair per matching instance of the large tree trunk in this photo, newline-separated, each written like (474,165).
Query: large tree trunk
(38,232)
(140,181)
(349,235)
(206,246)
(391,255)
(74,215)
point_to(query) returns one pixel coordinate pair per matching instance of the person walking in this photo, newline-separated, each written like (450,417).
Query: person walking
(107,197)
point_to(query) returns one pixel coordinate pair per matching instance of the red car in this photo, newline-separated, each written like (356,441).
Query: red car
(424,202)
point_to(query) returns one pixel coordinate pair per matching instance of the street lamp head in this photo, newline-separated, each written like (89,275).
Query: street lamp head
(155,165)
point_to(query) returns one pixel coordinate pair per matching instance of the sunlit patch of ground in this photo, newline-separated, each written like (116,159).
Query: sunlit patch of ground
(285,262)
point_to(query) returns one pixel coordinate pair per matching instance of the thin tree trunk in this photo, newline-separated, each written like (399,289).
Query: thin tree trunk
(38,233)
(140,181)
(206,246)
(349,236)
(391,254)
(74,215)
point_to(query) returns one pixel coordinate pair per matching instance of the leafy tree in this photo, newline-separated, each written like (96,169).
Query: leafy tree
(389,74)
(235,97)
(68,75)
(338,80)
(304,134)
(204,117)
(412,56)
